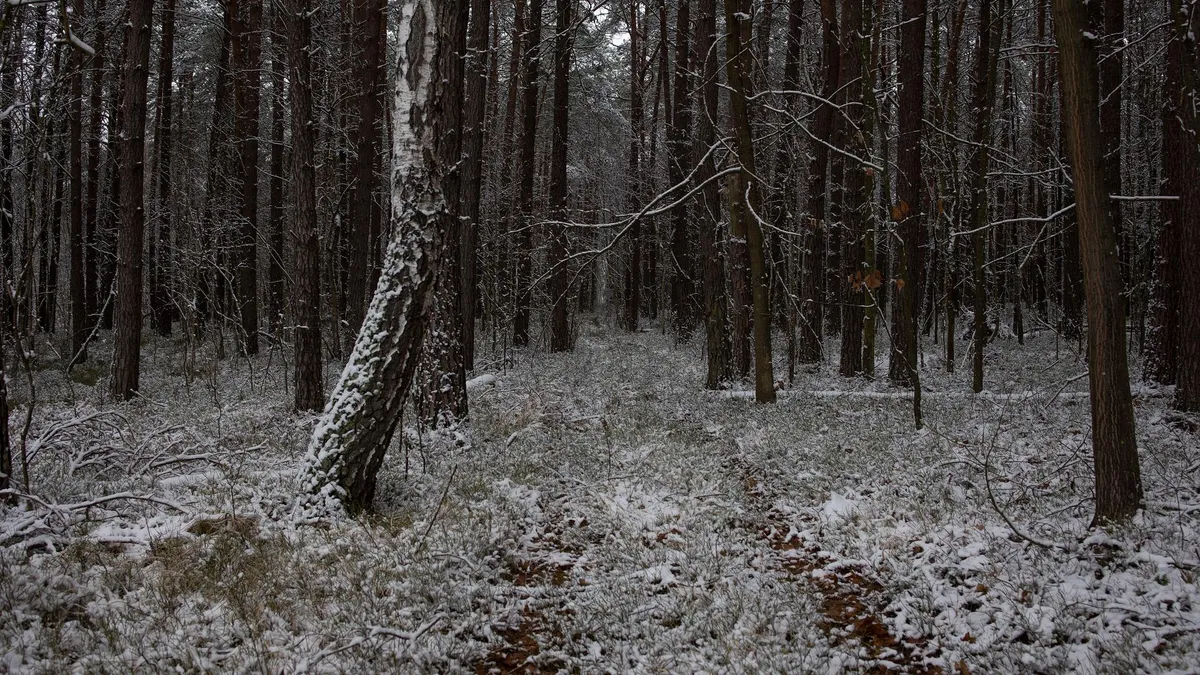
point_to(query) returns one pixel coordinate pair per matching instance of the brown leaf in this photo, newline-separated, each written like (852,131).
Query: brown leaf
(899,284)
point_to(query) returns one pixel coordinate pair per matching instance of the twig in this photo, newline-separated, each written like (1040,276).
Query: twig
(437,512)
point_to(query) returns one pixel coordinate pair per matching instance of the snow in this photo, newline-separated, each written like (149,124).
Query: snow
(614,512)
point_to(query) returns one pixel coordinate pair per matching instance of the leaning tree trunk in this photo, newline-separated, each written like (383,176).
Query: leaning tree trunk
(128,311)
(306,300)
(349,443)
(738,71)
(1118,477)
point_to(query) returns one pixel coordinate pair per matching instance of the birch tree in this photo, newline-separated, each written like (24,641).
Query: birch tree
(353,435)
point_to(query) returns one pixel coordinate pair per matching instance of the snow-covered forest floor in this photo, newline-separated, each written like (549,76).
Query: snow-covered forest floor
(602,513)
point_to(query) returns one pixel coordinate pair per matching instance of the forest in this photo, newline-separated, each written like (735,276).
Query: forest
(528,336)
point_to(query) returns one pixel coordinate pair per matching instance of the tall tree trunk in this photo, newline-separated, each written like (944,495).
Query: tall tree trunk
(739,57)
(683,287)
(275,281)
(366,17)
(443,378)
(477,92)
(306,293)
(247,60)
(633,276)
(79,323)
(1162,359)
(816,234)
(909,211)
(349,444)
(716,329)
(128,311)
(529,101)
(984,98)
(854,202)
(1187,390)
(560,328)
(1118,477)
(160,283)
(92,200)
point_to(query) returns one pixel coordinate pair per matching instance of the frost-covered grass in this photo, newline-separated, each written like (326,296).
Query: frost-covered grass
(603,514)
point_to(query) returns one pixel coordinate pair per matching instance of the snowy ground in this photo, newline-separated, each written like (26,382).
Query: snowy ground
(601,514)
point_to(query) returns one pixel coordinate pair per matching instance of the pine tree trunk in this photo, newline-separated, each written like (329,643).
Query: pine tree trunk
(715,302)
(984,98)
(275,281)
(247,61)
(1118,477)
(853,200)
(306,293)
(350,441)
(633,276)
(683,287)
(902,364)
(560,329)
(128,311)
(738,71)
(529,102)
(160,282)
(79,322)
(367,61)
(477,92)
(92,200)
(1187,388)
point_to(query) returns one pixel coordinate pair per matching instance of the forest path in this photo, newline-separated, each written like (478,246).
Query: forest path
(655,527)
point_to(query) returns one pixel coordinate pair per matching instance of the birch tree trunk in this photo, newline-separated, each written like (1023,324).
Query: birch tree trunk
(352,437)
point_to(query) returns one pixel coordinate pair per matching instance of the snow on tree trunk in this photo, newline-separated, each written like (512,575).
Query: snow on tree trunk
(352,437)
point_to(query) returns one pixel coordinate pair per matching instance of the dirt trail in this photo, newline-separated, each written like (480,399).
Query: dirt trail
(850,601)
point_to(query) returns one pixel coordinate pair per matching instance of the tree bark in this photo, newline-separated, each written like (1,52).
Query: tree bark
(1118,477)
(902,363)
(350,441)
(306,295)
(683,287)
(633,276)
(529,101)
(275,281)
(473,125)
(738,72)
(79,322)
(853,200)
(560,328)
(1187,388)
(716,330)
(128,311)
(984,98)
(247,60)
(160,282)
(809,343)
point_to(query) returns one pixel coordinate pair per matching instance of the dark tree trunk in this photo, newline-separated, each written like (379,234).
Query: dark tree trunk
(442,376)
(275,282)
(709,208)
(306,293)
(739,57)
(367,61)
(247,59)
(92,200)
(809,343)
(529,102)
(902,364)
(473,125)
(208,297)
(683,287)
(160,282)
(79,322)
(1118,477)
(853,200)
(1187,391)
(983,101)
(560,328)
(633,276)
(128,311)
